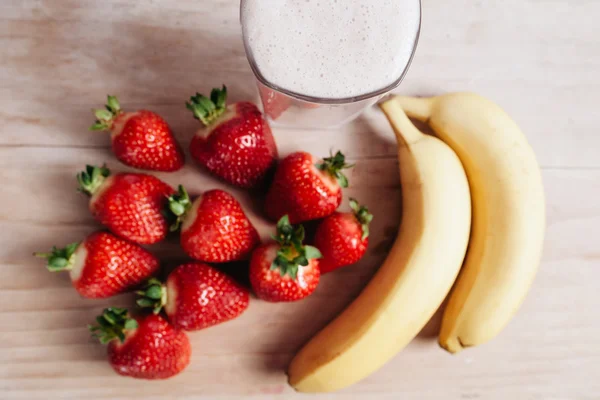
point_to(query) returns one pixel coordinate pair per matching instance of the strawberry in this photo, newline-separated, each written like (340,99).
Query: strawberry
(140,139)
(145,347)
(214,228)
(235,143)
(130,205)
(103,265)
(305,189)
(195,296)
(285,270)
(343,238)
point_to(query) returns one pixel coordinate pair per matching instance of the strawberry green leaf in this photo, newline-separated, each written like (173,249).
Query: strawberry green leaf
(154,292)
(299,233)
(293,271)
(205,109)
(105,117)
(279,262)
(60,259)
(342,180)
(285,231)
(292,253)
(58,264)
(219,97)
(112,105)
(145,303)
(112,324)
(153,295)
(177,207)
(131,324)
(283,222)
(92,178)
(311,252)
(333,165)
(300,260)
(363,216)
(98,126)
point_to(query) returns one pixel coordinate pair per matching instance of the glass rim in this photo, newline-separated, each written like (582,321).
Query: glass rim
(322,100)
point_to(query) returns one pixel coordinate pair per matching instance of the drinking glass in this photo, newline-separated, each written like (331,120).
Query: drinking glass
(293,109)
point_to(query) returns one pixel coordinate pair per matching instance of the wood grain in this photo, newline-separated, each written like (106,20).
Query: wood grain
(59,58)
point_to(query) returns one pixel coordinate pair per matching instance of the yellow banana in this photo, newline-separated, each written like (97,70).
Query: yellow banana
(415,277)
(508,213)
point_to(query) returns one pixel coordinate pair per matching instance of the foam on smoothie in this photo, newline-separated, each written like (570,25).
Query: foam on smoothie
(330,48)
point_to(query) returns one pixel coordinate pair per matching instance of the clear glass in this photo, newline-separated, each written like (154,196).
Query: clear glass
(286,108)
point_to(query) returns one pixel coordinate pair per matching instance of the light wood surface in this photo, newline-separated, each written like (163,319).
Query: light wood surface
(59,58)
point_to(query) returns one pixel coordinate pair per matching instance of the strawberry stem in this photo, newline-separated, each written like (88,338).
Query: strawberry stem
(333,165)
(59,259)
(178,206)
(112,324)
(205,109)
(154,295)
(92,178)
(292,253)
(363,216)
(106,116)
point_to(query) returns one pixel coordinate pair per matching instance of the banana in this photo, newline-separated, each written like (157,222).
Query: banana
(415,277)
(508,213)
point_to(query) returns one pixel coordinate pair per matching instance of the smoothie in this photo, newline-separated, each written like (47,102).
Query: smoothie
(330,49)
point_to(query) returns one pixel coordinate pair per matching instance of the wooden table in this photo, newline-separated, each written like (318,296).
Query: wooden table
(59,58)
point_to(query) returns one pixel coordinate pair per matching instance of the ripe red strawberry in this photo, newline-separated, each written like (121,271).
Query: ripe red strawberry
(145,347)
(103,265)
(195,296)
(235,143)
(285,270)
(343,238)
(140,139)
(274,103)
(305,189)
(214,228)
(130,205)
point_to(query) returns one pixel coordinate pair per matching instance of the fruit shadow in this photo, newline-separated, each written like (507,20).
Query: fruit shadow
(294,326)
(39,219)
(431,330)
(295,323)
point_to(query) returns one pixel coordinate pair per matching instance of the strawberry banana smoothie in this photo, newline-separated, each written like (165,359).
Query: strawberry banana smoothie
(328,51)
(331,49)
